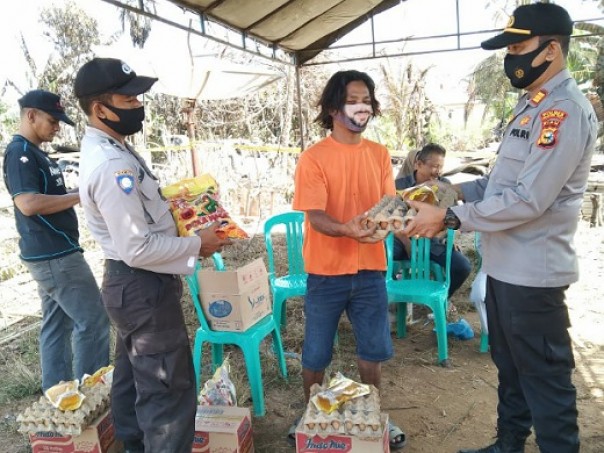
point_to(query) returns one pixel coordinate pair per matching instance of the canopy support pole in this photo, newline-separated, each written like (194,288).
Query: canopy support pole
(300,117)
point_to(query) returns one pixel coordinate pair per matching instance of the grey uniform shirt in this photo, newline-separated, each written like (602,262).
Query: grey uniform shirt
(528,206)
(125,212)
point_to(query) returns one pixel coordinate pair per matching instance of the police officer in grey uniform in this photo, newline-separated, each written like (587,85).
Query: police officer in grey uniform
(153,393)
(527,211)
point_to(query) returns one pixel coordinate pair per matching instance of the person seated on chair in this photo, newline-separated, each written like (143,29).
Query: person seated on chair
(429,162)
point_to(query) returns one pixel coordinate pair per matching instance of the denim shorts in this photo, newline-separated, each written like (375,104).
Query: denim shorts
(363,297)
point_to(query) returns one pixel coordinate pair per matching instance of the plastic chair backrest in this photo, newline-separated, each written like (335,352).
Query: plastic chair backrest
(477,247)
(194,288)
(419,261)
(293,222)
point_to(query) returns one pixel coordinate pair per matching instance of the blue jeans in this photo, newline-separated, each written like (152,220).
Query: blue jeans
(363,297)
(460,265)
(73,319)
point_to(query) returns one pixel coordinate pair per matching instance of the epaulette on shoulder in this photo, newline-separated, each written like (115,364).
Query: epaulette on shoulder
(110,148)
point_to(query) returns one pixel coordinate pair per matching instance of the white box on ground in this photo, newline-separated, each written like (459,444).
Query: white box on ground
(234,300)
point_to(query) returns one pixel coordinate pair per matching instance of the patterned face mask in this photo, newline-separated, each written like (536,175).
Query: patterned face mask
(355,116)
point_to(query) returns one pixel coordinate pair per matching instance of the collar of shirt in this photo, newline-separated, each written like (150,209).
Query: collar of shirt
(548,87)
(126,147)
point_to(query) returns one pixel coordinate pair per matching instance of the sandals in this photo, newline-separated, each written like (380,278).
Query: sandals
(291,433)
(396,436)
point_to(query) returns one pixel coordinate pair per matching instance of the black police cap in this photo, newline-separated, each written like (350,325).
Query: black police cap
(537,19)
(110,75)
(47,102)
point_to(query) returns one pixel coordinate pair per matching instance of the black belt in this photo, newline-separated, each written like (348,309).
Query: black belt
(119,267)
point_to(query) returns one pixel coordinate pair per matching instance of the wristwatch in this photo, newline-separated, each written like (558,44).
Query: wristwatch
(451,220)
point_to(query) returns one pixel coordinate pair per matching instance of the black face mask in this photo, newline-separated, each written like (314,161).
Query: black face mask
(519,70)
(131,120)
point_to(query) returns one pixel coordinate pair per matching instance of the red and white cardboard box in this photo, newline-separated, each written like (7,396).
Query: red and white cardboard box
(342,443)
(223,429)
(237,299)
(99,437)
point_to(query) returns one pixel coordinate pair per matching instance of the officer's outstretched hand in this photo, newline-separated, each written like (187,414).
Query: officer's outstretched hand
(210,242)
(428,221)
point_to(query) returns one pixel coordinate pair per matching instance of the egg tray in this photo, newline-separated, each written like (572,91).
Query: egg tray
(391,213)
(359,417)
(42,416)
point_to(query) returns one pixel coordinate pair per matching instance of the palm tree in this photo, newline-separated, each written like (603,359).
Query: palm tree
(585,62)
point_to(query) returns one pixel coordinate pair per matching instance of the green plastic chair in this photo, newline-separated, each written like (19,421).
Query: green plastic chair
(248,341)
(293,283)
(419,287)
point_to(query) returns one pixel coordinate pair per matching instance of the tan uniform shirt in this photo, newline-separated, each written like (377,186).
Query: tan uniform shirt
(528,207)
(125,212)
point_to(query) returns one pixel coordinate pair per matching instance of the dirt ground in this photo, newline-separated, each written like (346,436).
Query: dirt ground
(440,409)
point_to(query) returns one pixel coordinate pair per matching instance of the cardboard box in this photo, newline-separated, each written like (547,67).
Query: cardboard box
(222,429)
(342,443)
(99,437)
(237,299)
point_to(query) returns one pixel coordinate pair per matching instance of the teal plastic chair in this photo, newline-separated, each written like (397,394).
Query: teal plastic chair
(248,341)
(293,283)
(419,287)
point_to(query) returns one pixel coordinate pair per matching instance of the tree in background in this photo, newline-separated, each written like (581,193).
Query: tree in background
(72,34)
(406,105)
(489,85)
(138,26)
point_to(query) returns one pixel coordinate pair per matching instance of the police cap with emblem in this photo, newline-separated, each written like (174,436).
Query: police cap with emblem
(110,75)
(47,102)
(538,19)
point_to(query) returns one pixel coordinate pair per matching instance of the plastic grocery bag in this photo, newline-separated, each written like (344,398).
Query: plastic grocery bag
(478,293)
(219,390)
(195,204)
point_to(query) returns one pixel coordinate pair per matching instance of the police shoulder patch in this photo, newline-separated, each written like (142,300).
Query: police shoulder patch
(550,125)
(125,180)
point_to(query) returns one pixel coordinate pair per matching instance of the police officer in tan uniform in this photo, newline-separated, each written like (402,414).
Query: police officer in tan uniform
(527,211)
(153,392)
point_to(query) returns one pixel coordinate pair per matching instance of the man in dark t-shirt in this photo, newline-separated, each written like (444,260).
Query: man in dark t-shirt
(73,319)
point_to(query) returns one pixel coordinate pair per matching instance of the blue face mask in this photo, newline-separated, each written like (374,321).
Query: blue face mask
(131,120)
(519,70)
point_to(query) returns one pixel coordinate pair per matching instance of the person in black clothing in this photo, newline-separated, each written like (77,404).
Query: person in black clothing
(74,336)
(429,162)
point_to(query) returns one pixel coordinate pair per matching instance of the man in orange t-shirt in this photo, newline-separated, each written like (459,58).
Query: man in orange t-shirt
(337,181)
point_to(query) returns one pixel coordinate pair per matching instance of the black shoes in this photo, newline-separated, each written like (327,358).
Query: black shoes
(505,444)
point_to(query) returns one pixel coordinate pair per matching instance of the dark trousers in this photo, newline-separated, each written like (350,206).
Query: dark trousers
(153,392)
(531,347)
(460,265)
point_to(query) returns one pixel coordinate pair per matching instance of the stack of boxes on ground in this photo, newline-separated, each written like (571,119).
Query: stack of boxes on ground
(223,429)
(72,418)
(343,416)
(220,426)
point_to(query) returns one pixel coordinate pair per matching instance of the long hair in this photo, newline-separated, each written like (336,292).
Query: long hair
(334,95)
